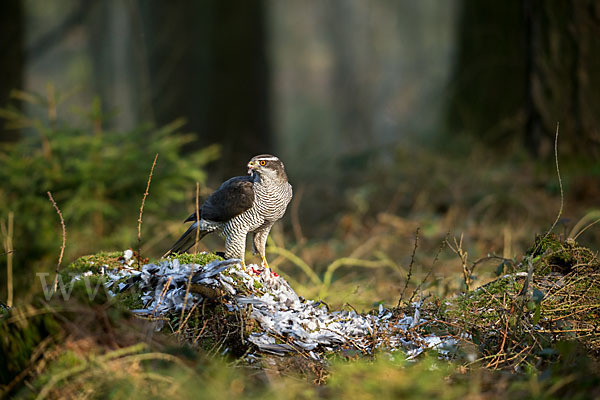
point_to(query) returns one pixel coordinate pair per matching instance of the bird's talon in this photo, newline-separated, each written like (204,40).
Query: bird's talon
(264,262)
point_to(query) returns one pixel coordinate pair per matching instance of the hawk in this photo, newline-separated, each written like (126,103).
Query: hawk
(241,205)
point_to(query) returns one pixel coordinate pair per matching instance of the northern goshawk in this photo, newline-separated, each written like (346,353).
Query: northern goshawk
(241,205)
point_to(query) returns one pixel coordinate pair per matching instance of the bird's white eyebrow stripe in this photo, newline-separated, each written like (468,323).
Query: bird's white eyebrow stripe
(268,159)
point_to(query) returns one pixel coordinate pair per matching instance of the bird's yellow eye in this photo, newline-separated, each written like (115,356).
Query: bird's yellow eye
(262,162)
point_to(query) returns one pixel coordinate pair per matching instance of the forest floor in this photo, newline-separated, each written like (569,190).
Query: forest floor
(453,284)
(195,326)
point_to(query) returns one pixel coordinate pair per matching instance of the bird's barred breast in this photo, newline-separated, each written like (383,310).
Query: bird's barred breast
(272,201)
(269,206)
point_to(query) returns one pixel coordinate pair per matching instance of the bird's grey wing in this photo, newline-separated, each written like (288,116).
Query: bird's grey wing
(187,240)
(231,199)
(193,217)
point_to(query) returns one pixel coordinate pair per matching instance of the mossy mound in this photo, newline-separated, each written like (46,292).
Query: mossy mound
(94,263)
(550,254)
(518,319)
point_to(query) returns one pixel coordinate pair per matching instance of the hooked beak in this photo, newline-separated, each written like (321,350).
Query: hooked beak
(252,167)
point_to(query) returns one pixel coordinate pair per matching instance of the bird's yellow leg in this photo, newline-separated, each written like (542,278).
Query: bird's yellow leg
(243,264)
(264,261)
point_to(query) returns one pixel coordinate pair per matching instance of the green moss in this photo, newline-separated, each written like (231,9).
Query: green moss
(93,263)
(199,258)
(543,243)
(258,285)
(130,299)
(482,297)
(550,254)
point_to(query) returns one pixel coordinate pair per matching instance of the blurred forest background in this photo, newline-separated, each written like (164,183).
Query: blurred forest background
(389,115)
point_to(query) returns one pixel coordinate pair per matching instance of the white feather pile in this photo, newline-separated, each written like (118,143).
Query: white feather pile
(287,322)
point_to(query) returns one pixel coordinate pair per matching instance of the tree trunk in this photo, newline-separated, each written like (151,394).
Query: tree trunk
(522,67)
(489,85)
(208,63)
(13,56)
(116,80)
(564,76)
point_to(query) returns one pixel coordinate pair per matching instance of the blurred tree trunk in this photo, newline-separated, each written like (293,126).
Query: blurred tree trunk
(489,84)
(563,75)
(109,24)
(12,39)
(350,70)
(208,63)
(523,66)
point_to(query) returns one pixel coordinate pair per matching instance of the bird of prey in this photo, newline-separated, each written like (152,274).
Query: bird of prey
(242,204)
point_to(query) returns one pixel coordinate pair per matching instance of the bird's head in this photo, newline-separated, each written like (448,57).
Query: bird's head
(267,166)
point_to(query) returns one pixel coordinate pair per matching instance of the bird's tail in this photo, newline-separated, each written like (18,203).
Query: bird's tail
(187,240)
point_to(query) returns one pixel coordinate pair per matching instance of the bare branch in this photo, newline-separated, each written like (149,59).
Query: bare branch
(64,238)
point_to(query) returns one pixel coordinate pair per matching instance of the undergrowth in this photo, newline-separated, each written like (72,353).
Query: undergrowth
(541,342)
(95,175)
